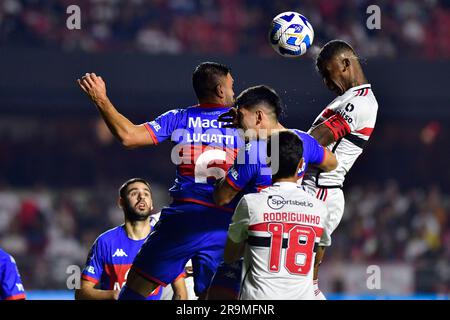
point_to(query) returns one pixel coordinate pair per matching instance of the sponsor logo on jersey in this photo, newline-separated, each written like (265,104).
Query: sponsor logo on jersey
(90,269)
(198,122)
(120,253)
(277,202)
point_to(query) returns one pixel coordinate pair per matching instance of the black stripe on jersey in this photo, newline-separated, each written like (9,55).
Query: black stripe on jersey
(361,90)
(266,241)
(357,141)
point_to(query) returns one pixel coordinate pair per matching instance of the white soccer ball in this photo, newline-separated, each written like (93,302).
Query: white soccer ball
(291,34)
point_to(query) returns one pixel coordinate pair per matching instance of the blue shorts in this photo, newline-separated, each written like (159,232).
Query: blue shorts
(185,231)
(226,283)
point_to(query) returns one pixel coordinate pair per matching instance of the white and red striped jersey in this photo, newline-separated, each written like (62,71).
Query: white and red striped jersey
(351,117)
(282,225)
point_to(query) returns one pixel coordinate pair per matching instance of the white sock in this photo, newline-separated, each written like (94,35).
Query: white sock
(318,294)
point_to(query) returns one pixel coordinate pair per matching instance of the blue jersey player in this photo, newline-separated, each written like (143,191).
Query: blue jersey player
(11,287)
(112,254)
(258,112)
(193,226)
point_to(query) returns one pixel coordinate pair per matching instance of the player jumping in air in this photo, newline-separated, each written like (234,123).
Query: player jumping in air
(258,109)
(113,252)
(344,127)
(279,228)
(193,226)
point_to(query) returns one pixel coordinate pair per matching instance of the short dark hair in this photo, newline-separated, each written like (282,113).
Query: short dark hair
(330,50)
(253,96)
(124,186)
(289,155)
(206,77)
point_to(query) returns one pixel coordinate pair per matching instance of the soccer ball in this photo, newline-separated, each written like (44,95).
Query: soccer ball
(290,34)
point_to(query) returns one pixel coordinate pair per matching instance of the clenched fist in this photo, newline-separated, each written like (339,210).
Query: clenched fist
(94,86)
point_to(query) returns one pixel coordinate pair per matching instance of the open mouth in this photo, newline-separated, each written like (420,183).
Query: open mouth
(141,205)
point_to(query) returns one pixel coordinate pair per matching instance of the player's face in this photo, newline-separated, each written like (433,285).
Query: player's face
(138,201)
(250,122)
(227,87)
(333,76)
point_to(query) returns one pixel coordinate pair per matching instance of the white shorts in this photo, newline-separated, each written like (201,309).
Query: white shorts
(335,202)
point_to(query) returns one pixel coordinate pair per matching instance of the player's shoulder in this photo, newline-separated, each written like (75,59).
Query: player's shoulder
(6,258)
(110,235)
(302,193)
(360,97)
(255,198)
(304,136)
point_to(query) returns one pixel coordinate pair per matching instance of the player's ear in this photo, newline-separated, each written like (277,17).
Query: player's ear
(300,165)
(120,203)
(345,64)
(259,116)
(219,91)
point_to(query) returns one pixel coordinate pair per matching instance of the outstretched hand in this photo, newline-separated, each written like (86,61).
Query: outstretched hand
(93,86)
(229,119)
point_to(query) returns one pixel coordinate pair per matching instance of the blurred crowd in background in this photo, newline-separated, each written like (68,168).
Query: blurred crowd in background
(57,194)
(410,28)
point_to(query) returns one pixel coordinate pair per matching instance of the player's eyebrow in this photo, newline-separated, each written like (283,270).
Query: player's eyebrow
(133,189)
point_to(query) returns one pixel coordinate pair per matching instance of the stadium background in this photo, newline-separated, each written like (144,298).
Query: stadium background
(60,168)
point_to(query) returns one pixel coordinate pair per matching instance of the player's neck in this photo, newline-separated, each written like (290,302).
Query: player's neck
(358,80)
(292,179)
(275,128)
(137,230)
(211,102)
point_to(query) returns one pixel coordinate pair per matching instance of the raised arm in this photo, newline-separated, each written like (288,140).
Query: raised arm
(129,134)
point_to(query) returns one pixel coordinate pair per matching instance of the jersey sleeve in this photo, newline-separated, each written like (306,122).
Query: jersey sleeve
(238,229)
(313,152)
(94,264)
(243,170)
(163,126)
(11,287)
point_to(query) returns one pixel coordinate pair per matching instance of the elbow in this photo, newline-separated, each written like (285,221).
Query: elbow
(128,142)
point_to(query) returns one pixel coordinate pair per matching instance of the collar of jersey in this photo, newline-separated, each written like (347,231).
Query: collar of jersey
(366,85)
(285,184)
(210,105)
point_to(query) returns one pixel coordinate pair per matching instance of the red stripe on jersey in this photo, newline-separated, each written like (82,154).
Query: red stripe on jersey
(117,274)
(90,279)
(232,184)
(210,105)
(19,296)
(366,131)
(152,133)
(263,226)
(261,188)
(366,92)
(326,194)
